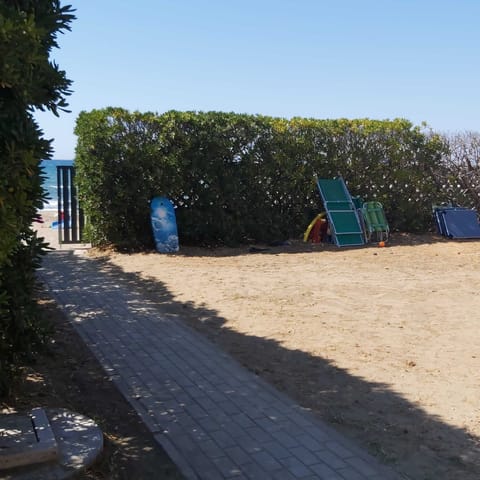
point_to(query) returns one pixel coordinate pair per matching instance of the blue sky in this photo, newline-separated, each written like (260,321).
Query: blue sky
(379,59)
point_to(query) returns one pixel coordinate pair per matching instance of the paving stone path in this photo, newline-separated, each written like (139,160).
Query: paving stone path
(215,419)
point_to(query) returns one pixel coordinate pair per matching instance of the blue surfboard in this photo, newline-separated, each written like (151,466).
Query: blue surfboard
(164,225)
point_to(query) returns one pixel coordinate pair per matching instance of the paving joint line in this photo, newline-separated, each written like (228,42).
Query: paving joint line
(167,381)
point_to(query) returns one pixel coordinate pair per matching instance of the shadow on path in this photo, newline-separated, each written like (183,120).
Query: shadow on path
(398,432)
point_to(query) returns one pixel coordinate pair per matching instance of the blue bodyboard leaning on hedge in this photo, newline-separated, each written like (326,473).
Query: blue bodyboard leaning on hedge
(164,225)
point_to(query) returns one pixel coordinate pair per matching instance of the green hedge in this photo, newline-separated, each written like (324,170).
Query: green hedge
(237,178)
(28,81)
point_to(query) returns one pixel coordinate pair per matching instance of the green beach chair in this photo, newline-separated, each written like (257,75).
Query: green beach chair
(376,225)
(343,218)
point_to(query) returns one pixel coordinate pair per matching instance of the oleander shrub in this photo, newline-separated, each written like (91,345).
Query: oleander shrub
(28,81)
(242,178)
(459,178)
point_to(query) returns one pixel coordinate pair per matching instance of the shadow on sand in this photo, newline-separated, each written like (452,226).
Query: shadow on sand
(298,246)
(398,432)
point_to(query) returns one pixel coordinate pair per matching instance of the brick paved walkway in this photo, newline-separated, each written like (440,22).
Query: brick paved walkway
(215,419)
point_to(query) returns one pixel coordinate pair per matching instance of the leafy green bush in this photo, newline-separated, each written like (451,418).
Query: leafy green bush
(237,178)
(28,80)
(460,174)
(22,331)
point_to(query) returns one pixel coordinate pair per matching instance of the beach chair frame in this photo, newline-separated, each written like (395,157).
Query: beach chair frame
(375,222)
(343,219)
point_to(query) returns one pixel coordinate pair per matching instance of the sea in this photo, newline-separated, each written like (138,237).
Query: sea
(50,182)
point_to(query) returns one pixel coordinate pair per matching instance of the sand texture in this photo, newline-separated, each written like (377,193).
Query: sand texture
(382,343)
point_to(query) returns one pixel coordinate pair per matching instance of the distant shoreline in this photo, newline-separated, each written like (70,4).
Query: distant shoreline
(49,168)
(50,234)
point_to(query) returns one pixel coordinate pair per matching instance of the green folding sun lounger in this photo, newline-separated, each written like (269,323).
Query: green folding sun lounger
(376,225)
(343,218)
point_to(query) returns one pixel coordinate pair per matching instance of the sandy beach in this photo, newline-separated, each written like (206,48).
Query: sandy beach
(382,343)
(44,229)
